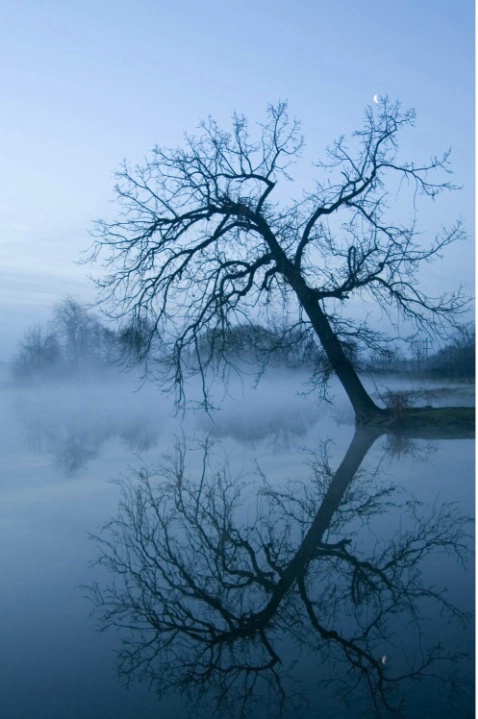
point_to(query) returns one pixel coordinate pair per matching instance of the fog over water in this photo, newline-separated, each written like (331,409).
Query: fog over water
(64,445)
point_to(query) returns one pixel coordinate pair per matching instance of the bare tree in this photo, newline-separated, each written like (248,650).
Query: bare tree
(84,340)
(214,591)
(204,239)
(38,355)
(72,323)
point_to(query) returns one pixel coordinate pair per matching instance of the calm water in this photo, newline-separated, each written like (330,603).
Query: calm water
(268,560)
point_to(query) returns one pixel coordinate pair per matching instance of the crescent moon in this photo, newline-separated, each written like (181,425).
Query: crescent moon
(376,99)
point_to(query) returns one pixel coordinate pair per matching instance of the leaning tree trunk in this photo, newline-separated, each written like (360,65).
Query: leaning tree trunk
(366,411)
(364,407)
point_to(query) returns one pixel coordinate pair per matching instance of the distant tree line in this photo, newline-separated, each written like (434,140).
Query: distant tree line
(456,359)
(76,341)
(262,345)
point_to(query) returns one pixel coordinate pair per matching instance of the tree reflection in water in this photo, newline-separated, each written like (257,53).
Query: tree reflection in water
(76,430)
(226,590)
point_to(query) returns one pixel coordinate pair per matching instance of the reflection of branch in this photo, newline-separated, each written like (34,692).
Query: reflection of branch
(209,584)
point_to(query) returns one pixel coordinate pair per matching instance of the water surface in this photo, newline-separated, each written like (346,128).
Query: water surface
(63,445)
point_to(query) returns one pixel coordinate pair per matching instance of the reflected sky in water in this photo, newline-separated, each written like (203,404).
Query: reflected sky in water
(62,445)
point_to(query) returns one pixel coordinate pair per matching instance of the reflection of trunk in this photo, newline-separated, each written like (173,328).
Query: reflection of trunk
(365,409)
(360,445)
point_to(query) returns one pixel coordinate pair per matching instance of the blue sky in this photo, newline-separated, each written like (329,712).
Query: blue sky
(86,84)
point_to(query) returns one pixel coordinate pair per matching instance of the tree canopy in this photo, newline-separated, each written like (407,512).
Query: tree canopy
(205,240)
